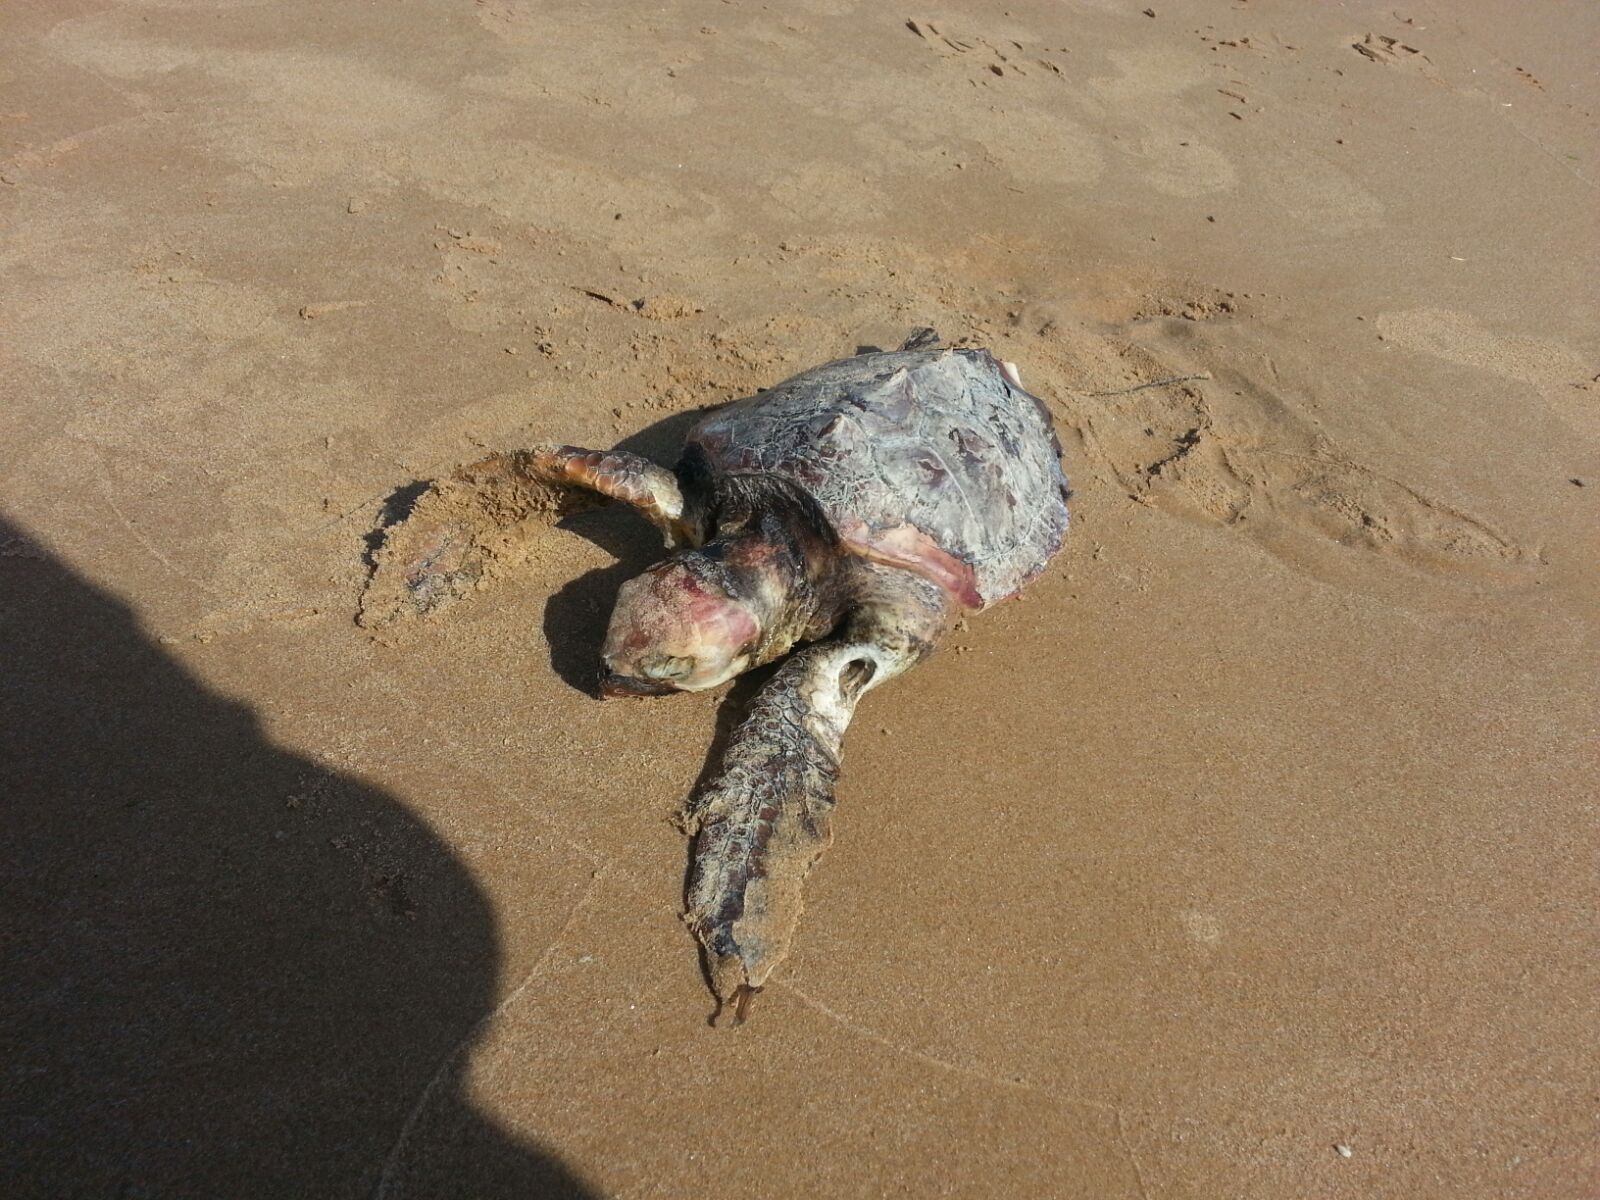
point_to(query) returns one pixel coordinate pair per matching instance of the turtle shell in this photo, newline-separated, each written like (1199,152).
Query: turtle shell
(932,460)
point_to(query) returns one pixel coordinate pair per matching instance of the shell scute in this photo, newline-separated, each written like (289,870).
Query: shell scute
(932,460)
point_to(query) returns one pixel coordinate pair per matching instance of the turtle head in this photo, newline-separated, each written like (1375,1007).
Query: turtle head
(685,625)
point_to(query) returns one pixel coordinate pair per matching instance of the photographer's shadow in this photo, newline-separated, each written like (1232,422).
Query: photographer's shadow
(206,991)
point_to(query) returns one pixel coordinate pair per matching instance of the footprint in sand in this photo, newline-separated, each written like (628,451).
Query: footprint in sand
(1462,339)
(829,192)
(1201,928)
(1255,462)
(1230,450)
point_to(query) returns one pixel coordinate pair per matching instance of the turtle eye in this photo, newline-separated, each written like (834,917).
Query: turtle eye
(666,667)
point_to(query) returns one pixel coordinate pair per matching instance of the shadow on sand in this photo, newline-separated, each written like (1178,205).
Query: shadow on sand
(205,994)
(576,615)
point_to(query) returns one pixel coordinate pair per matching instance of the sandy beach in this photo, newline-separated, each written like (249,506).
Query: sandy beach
(1250,853)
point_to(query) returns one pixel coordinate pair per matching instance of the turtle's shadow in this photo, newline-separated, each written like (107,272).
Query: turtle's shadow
(575,617)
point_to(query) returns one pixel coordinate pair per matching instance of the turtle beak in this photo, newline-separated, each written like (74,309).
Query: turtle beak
(613,685)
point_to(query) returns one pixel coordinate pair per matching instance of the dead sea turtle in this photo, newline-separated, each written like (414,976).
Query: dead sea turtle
(857,509)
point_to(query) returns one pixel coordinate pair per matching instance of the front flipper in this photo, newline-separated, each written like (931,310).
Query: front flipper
(616,475)
(765,819)
(465,528)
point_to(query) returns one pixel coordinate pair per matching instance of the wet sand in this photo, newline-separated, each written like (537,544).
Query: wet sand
(1250,853)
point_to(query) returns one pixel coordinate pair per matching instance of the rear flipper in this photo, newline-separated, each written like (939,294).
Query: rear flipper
(469,526)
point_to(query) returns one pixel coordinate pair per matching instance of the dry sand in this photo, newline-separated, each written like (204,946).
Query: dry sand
(1263,825)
